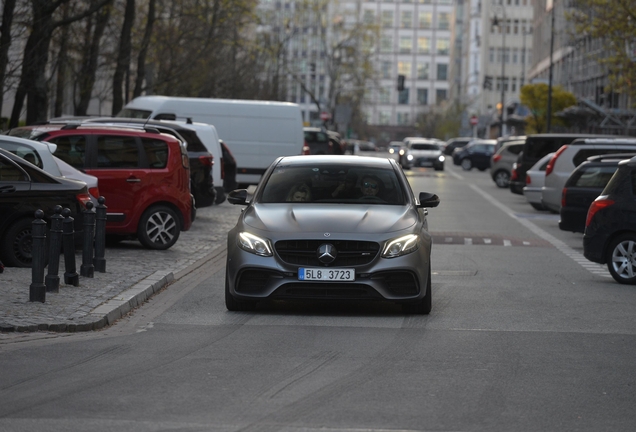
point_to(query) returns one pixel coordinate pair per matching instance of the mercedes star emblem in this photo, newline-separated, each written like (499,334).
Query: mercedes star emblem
(326,253)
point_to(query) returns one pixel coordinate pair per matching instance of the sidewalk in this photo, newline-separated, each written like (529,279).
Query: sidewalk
(133,274)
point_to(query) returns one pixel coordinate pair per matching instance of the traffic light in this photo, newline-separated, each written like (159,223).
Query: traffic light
(400,83)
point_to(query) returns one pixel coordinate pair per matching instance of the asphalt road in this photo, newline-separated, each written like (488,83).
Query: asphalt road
(523,336)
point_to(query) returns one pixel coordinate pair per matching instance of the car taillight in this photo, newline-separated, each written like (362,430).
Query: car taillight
(563,197)
(598,204)
(514,176)
(94,192)
(496,158)
(83,199)
(306,150)
(207,161)
(528,180)
(550,167)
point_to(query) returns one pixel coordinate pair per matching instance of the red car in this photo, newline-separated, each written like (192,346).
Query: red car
(143,174)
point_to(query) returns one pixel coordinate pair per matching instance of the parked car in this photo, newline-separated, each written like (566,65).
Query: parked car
(584,185)
(370,244)
(41,155)
(424,153)
(143,174)
(569,156)
(317,141)
(502,160)
(454,143)
(477,154)
(25,188)
(229,168)
(610,226)
(501,141)
(535,177)
(537,146)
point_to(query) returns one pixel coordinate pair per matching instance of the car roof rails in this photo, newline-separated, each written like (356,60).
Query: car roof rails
(608,156)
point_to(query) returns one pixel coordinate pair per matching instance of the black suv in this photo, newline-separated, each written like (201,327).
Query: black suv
(610,227)
(24,188)
(583,186)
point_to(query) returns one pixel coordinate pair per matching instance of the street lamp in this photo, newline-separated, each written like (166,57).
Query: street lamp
(502,27)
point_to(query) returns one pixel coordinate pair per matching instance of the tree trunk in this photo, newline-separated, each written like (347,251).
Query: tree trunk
(123,57)
(88,71)
(141,59)
(62,68)
(5,43)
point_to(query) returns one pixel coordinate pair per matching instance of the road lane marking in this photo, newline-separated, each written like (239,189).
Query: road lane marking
(577,257)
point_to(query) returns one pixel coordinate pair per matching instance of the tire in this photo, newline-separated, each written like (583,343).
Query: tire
(159,228)
(539,207)
(234,305)
(502,179)
(621,259)
(424,306)
(17,245)
(466,164)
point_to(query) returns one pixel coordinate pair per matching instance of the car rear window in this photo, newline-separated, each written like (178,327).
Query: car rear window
(593,177)
(193,140)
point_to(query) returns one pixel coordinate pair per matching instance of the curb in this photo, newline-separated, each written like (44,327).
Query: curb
(110,311)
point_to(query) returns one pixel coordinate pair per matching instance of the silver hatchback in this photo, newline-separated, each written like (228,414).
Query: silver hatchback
(501,162)
(331,228)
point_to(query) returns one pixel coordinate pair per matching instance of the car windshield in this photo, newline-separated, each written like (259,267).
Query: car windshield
(424,147)
(333,184)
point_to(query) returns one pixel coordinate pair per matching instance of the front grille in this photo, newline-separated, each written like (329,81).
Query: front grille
(401,283)
(253,281)
(326,291)
(350,252)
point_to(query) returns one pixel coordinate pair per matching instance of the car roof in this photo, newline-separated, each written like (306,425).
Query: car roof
(37,145)
(605,141)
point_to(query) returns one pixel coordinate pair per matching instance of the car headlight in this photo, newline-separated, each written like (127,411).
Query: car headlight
(441,158)
(400,246)
(391,151)
(410,157)
(254,244)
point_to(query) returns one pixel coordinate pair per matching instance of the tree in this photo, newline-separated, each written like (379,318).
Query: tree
(615,23)
(535,97)
(122,68)
(5,43)
(33,83)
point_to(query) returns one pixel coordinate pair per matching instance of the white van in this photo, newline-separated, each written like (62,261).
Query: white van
(257,132)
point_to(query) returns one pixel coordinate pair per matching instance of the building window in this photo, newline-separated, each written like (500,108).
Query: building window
(442,72)
(386,69)
(422,71)
(387,19)
(423,45)
(425,20)
(386,43)
(514,85)
(491,55)
(515,55)
(384,95)
(404,68)
(384,117)
(403,118)
(403,97)
(407,19)
(443,21)
(406,44)
(443,46)
(369,16)
(440,96)
(422,96)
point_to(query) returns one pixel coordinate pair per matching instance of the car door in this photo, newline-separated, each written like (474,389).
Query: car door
(115,161)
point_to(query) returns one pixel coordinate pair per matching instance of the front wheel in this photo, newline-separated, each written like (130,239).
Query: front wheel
(17,245)
(466,164)
(621,259)
(159,228)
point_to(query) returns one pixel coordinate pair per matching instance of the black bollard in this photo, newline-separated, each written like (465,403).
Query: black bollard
(37,290)
(100,235)
(70,275)
(52,280)
(87,269)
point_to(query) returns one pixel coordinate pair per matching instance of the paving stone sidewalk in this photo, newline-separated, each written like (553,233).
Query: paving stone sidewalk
(133,274)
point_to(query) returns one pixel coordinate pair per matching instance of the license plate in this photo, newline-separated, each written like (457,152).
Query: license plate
(326,274)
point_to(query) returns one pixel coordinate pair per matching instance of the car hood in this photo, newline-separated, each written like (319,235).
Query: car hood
(333,218)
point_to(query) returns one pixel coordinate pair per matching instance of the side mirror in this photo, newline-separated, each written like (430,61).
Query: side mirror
(428,199)
(238,196)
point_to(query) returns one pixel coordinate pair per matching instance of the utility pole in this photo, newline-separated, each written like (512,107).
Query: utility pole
(549,119)
(503,26)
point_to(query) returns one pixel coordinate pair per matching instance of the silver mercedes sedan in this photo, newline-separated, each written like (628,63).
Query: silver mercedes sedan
(331,228)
